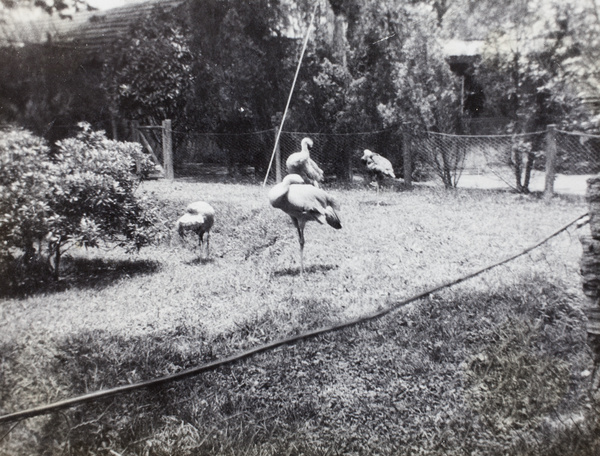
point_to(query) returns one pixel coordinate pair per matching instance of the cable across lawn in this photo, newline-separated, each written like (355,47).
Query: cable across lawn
(66,403)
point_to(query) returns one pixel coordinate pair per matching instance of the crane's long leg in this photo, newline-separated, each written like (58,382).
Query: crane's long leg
(299,224)
(207,244)
(301,231)
(200,241)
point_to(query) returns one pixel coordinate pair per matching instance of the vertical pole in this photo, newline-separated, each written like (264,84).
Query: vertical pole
(167,142)
(407,158)
(135,137)
(350,169)
(277,158)
(113,126)
(550,162)
(462,96)
(135,132)
(292,90)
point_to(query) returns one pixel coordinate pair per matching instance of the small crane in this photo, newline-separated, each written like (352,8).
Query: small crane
(199,218)
(300,163)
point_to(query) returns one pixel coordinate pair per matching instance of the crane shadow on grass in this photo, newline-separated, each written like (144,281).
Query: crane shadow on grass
(378,203)
(199,260)
(295,271)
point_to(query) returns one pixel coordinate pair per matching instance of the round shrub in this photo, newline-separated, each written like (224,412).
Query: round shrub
(83,193)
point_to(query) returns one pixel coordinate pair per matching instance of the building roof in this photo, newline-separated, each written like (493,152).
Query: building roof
(91,29)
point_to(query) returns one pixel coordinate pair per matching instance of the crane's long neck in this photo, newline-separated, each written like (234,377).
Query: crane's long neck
(304,145)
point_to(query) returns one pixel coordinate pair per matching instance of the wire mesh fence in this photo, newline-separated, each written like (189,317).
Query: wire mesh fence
(553,159)
(517,161)
(239,156)
(246,156)
(578,153)
(503,158)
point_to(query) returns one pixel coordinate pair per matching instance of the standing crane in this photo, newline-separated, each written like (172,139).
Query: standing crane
(378,167)
(199,218)
(300,163)
(304,203)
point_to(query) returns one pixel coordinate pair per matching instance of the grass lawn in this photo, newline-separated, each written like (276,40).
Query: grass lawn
(496,365)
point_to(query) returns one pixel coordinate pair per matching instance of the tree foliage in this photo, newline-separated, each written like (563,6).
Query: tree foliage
(227,66)
(148,76)
(536,68)
(48,89)
(243,63)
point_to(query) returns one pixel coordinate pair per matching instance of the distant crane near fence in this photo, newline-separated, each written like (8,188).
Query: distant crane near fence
(377,166)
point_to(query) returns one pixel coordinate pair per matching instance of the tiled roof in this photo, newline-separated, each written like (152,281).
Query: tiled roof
(91,29)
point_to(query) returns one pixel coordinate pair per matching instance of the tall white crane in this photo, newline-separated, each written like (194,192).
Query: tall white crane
(304,203)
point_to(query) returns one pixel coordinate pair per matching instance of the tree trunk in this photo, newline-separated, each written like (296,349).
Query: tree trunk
(590,274)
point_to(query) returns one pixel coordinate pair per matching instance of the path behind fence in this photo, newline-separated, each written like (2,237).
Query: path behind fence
(557,161)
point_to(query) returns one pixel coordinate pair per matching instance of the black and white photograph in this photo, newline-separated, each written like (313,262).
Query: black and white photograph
(300,227)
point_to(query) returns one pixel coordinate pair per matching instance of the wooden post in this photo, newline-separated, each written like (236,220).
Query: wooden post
(550,162)
(167,142)
(407,157)
(350,169)
(277,159)
(590,273)
(135,137)
(113,126)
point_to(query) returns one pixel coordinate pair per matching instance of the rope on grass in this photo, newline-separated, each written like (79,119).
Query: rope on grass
(44,409)
(291,92)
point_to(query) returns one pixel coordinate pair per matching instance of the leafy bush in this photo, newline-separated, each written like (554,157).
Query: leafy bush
(24,187)
(81,194)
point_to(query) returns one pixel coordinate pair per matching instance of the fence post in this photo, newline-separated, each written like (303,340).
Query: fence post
(590,274)
(407,157)
(550,162)
(113,126)
(167,142)
(135,137)
(277,158)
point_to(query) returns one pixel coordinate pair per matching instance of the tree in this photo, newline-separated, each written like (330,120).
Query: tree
(244,67)
(550,47)
(148,76)
(404,64)
(523,70)
(576,79)
(48,89)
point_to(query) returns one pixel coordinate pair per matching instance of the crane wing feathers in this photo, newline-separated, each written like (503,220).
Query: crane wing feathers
(332,218)
(311,203)
(379,164)
(313,170)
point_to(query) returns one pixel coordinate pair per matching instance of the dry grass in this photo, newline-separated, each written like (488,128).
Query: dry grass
(488,367)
